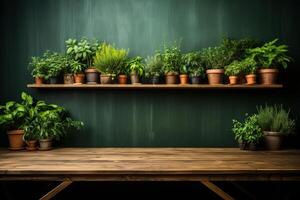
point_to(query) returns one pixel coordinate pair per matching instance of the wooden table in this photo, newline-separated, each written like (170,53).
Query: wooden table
(149,164)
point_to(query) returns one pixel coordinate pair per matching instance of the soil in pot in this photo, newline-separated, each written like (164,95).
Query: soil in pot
(122,79)
(171,78)
(154,80)
(92,75)
(215,76)
(268,76)
(105,79)
(184,78)
(251,79)
(134,78)
(39,80)
(68,79)
(15,138)
(233,80)
(54,80)
(31,145)
(273,140)
(195,79)
(79,78)
(45,144)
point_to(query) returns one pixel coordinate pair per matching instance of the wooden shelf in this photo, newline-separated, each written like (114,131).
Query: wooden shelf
(152,87)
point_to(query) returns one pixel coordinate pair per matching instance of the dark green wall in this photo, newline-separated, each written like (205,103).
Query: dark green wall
(147,118)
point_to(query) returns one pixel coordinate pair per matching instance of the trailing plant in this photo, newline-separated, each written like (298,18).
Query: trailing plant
(172,58)
(275,119)
(193,61)
(109,60)
(154,65)
(136,66)
(248,131)
(271,55)
(234,69)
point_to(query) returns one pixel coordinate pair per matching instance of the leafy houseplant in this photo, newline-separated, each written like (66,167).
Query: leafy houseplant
(77,69)
(248,133)
(172,59)
(249,67)
(233,71)
(153,67)
(136,68)
(270,56)
(108,60)
(275,121)
(38,72)
(194,65)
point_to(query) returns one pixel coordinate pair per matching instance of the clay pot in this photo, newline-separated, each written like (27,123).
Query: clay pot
(215,76)
(45,144)
(171,78)
(154,80)
(233,80)
(122,79)
(31,145)
(134,78)
(68,79)
(251,79)
(195,79)
(105,79)
(253,146)
(273,140)
(92,75)
(39,80)
(54,80)
(268,76)
(79,78)
(15,138)
(184,78)
(243,145)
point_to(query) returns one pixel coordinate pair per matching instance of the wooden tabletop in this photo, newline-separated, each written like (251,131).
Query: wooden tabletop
(150,164)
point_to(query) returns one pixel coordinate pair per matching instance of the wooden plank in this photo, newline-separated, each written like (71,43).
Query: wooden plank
(57,189)
(217,190)
(152,87)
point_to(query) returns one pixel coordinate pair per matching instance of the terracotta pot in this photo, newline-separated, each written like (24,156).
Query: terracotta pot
(233,80)
(122,79)
(268,76)
(68,79)
(273,140)
(154,79)
(184,78)
(251,79)
(92,75)
(39,80)
(79,78)
(31,145)
(215,76)
(45,144)
(195,79)
(54,80)
(171,78)
(15,138)
(134,78)
(105,79)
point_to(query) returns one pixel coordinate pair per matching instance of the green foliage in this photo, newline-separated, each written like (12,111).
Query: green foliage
(194,64)
(38,66)
(109,60)
(248,131)
(136,66)
(172,58)
(248,65)
(234,69)
(154,65)
(271,55)
(276,119)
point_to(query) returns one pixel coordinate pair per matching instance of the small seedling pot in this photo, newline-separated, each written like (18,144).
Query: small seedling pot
(184,79)
(251,79)
(233,80)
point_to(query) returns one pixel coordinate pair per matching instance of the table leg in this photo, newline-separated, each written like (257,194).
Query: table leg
(57,189)
(217,190)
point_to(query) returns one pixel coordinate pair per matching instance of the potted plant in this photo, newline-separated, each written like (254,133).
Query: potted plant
(153,68)
(249,67)
(37,64)
(77,69)
(248,133)
(83,51)
(108,60)
(13,118)
(172,60)
(194,64)
(233,71)
(136,68)
(122,71)
(270,57)
(53,66)
(275,123)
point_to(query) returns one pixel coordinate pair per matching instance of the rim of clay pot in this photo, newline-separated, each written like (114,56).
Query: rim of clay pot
(272,133)
(105,75)
(91,70)
(171,74)
(79,74)
(15,132)
(122,76)
(183,75)
(250,75)
(233,77)
(215,71)
(45,140)
(269,70)
(68,74)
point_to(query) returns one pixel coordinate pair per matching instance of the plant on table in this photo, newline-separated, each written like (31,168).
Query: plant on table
(136,68)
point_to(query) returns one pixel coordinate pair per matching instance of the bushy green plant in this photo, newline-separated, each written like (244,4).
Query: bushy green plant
(271,55)
(275,119)
(215,57)
(234,69)
(248,65)
(194,63)
(39,66)
(172,58)
(109,60)
(136,66)
(248,131)
(154,65)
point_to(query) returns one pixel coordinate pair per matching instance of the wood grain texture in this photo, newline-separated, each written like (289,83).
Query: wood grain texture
(153,87)
(134,164)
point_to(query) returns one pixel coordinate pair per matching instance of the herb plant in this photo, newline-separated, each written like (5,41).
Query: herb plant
(136,66)
(172,59)
(193,61)
(154,65)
